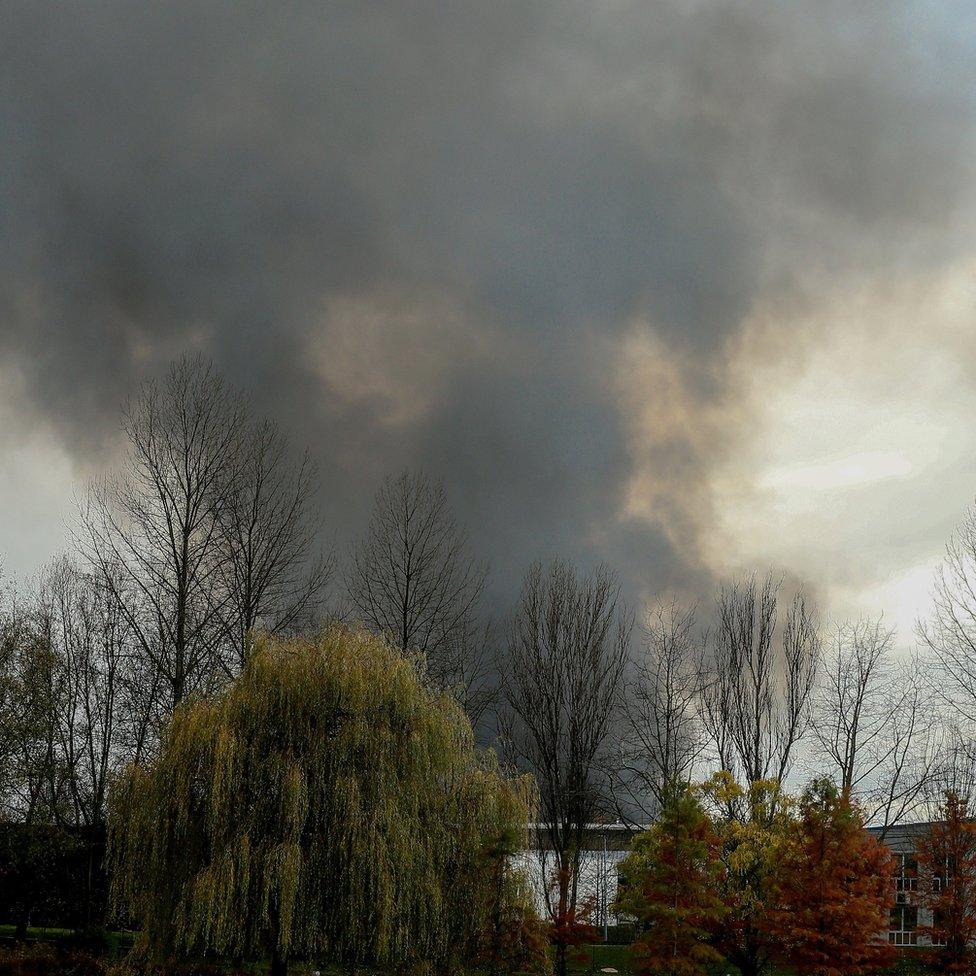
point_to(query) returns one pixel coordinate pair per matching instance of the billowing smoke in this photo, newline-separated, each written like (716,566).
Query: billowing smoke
(439,235)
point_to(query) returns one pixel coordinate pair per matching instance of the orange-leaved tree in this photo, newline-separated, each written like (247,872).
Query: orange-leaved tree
(947,884)
(572,927)
(834,889)
(669,882)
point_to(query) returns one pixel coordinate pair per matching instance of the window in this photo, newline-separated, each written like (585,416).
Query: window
(947,872)
(903,925)
(906,879)
(904,915)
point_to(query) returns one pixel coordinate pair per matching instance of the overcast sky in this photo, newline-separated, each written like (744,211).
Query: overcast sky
(688,287)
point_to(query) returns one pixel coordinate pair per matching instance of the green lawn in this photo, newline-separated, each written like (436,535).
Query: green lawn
(116,943)
(41,934)
(598,957)
(590,960)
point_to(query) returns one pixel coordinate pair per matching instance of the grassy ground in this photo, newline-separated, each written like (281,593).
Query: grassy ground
(597,957)
(590,960)
(115,943)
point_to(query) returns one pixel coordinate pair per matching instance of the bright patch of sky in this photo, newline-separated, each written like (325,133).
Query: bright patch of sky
(862,456)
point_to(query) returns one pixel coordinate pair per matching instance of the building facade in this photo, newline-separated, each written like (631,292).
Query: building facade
(906,917)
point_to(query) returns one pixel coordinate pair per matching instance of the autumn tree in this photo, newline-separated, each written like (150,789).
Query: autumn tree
(947,884)
(326,804)
(833,889)
(567,654)
(512,937)
(751,823)
(670,882)
(411,578)
(571,927)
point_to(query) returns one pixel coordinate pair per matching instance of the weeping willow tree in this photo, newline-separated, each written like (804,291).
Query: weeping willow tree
(325,806)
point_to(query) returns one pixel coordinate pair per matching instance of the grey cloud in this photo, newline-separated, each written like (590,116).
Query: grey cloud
(213,174)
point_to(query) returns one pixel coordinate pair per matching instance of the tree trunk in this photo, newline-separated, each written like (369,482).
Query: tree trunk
(563,915)
(279,963)
(748,965)
(89,882)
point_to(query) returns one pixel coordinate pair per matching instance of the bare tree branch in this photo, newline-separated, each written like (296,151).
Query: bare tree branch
(411,579)
(662,737)
(272,578)
(757,696)
(950,633)
(563,681)
(152,528)
(874,725)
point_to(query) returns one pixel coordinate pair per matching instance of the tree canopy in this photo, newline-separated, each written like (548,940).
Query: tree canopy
(947,884)
(671,883)
(326,804)
(833,890)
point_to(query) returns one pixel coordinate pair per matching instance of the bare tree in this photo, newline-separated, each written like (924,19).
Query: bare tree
(873,723)
(31,778)
(662,738)
(950,633)
(756,701)
(955,773)
(89,638)
(8,651)
(272,578)
(567,656)
(153,530)
(412,579)
(82,627)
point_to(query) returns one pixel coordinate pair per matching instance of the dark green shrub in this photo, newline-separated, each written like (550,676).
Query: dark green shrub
(48,960)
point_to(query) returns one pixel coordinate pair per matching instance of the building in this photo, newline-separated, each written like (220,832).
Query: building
(606,845)
(905,916)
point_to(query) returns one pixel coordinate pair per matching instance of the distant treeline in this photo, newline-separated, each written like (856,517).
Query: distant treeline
(52,876)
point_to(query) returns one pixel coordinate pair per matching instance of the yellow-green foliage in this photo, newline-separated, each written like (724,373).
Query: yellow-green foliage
(327,804)
(753,823)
